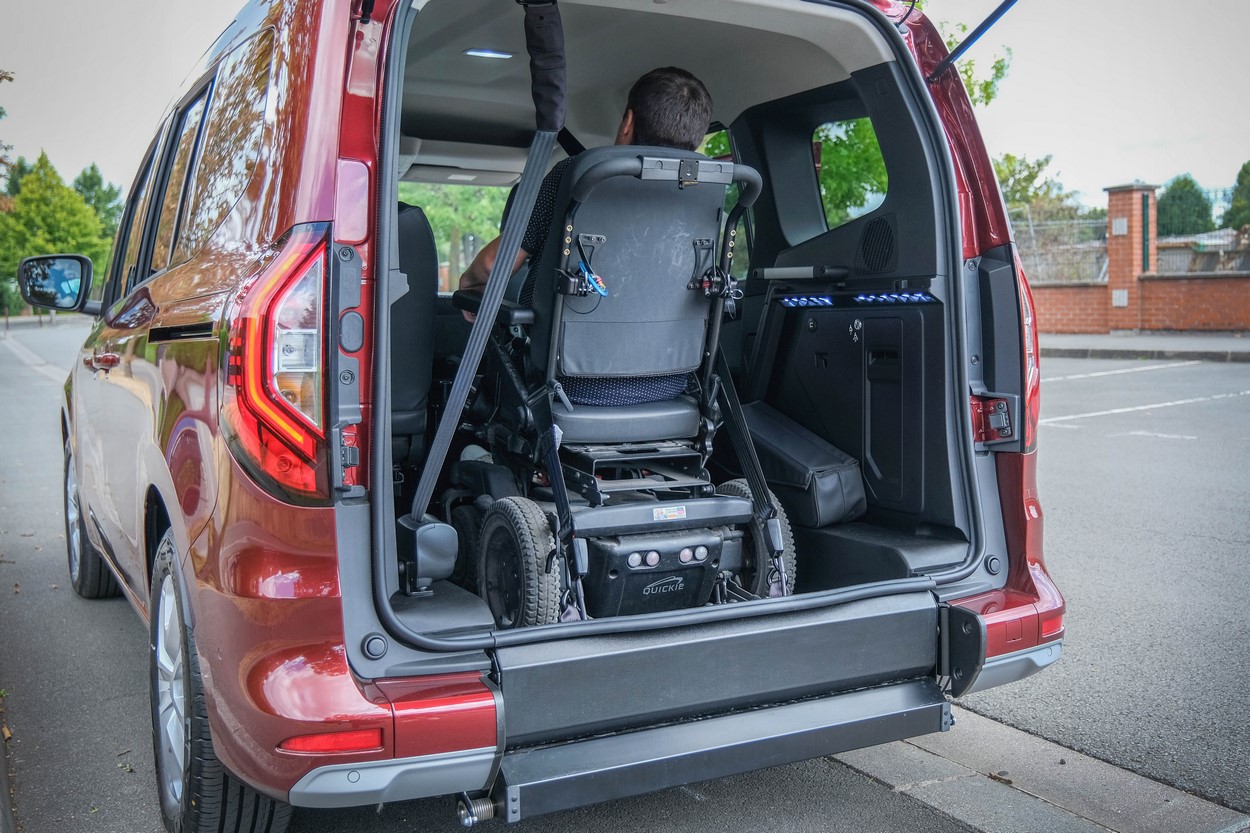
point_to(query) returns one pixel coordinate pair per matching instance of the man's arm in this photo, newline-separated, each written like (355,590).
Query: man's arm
(474,278)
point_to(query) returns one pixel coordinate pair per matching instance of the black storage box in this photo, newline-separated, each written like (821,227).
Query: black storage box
(817,483)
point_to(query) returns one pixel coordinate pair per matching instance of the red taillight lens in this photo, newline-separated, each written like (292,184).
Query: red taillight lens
(273,403)
(1032,372)
(328,743)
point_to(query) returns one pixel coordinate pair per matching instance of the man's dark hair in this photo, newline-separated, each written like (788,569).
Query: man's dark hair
(671,108)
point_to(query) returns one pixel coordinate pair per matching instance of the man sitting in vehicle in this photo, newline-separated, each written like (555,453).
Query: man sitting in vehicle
(667,107)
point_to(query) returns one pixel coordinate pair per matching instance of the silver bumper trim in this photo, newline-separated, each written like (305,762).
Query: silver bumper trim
(1009,668)
(397,779)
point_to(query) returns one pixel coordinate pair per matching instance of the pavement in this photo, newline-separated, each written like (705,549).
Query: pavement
(1193,346)
(992,777)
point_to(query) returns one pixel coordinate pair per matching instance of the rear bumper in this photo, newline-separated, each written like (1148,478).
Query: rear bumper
(379,782)
(1009,668)
(563,776)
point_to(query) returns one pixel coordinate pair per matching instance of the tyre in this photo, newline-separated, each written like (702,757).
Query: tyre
(759,559)
(196,793)
(512,562)
(90,577)
(467,520)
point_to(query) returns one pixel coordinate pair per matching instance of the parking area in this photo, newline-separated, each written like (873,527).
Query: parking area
(1144,476)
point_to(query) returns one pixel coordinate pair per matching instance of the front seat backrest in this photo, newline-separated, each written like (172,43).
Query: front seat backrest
(412,335)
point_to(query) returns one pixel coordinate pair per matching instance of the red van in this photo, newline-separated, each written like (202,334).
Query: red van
(737,469)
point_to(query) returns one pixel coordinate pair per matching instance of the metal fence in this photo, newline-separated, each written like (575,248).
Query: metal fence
(1061,251)
(1224,250)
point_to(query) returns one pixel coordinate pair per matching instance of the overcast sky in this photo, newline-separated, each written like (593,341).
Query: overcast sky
(1115,90)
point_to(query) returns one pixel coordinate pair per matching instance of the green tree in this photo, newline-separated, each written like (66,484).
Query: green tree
(18,169)
(49,217)
(1238,213)
(1183,208)
(5,75)
(464,218)
(103,197)
(1026,187)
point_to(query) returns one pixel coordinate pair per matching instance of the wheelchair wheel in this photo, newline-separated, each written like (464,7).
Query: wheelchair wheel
(512,565)
(754,577)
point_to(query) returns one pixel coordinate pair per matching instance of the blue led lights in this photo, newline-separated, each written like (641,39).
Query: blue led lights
(895,298)
(807,301)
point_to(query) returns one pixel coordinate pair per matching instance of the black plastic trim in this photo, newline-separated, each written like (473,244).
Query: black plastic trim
(545,780)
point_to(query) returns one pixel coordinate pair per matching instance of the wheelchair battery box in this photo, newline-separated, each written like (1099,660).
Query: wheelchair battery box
(652,572)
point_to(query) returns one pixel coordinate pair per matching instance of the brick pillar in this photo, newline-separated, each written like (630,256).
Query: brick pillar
(1130,250)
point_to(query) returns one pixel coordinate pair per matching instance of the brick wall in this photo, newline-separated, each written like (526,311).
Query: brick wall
(1072,308)
(1194,303)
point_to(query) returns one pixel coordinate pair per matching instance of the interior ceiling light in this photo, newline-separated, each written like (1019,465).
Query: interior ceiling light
(487,53)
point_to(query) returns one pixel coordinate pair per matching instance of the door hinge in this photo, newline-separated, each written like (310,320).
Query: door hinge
(995,418)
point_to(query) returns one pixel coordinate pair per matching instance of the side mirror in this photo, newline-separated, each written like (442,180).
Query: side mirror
(60,282)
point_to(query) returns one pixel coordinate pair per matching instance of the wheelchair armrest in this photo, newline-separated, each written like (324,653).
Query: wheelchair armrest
(510,312)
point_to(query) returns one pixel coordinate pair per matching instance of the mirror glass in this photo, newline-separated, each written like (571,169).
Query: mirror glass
(53,282)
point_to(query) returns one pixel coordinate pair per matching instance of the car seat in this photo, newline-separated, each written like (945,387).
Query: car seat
(412,337)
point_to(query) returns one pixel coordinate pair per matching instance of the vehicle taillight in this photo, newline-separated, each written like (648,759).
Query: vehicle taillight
(1032,372)
(273,405)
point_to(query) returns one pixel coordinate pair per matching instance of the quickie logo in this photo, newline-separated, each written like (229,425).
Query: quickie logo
(664,585)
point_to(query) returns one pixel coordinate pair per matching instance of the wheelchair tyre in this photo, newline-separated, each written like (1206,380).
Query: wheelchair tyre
(512,575)
(754,576)
(468,523)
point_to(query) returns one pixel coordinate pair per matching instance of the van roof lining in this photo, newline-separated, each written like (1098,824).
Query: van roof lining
(452,97)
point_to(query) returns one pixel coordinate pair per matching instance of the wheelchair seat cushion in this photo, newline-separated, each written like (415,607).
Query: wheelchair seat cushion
(673,419)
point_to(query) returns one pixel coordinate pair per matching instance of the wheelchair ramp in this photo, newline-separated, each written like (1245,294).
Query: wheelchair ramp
(575,688)
(536,781)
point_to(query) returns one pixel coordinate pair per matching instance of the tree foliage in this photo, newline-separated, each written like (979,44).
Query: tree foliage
(18,168)
(1183,208)
(49,217)
(1027,188)
(464,218)
(103,197)
(5,75)
(1238,213)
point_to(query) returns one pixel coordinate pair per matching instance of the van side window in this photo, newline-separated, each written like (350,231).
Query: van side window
(850,169)
(232,140)
(175,182)
(131,235)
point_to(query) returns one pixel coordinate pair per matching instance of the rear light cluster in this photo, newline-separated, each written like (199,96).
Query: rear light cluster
(1032,372)
(273,405)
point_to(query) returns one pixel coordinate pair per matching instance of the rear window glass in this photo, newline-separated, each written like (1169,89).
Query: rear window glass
(850,169)
(232,140)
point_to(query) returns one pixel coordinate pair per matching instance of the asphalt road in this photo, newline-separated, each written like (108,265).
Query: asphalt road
(1143,513)
(1145,507)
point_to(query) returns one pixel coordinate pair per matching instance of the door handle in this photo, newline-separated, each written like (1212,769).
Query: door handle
(105,361)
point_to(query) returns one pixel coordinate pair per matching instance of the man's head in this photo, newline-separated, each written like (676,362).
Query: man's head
(667,107)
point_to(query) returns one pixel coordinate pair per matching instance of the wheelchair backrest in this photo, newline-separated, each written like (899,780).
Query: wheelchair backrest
(643,222)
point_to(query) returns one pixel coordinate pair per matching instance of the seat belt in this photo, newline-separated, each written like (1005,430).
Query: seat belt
(544,40)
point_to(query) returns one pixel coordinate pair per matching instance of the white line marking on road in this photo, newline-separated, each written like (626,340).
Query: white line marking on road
(1152,434)
(1069,427)
(1212,398)
(34,361)
(1118,372)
